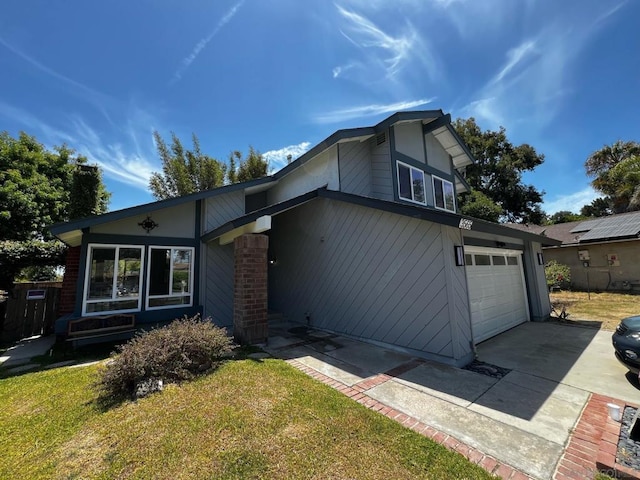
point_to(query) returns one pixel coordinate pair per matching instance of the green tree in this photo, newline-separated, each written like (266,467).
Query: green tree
(563,216)
(611,182)
(252,167)
(39,187)
(498,171)
(599,207)
(184,171)
(478,205)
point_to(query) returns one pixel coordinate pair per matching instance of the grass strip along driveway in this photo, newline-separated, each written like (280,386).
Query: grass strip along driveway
(249,419)
(607,308)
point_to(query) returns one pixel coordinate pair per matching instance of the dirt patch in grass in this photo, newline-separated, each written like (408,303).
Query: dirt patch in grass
(602,310)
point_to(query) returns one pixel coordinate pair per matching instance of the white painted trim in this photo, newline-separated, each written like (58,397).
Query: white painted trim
(261,224)
(114,286)
(424,183)
(170,295)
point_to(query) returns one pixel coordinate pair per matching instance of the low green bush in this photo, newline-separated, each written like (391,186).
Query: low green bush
(558,275)
(179,351)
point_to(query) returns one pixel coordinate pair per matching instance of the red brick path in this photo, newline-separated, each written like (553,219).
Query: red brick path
(593,444)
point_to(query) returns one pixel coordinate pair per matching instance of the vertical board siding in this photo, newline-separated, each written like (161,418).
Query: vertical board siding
(355,167)
(222,208)
(363,272)
(381,174)
(218,285)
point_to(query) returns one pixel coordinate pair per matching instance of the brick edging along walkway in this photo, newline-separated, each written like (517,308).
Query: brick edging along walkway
(357,392)
(593,444)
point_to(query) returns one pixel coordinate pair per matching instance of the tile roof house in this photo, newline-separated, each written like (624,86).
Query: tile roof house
(359,236)
(603,253)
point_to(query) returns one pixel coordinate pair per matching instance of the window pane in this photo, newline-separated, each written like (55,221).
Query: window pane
(499,260)
(512,260)
(404,180)
(165,301)
(159,270)
(468,259)
(181,269)
(417,177)
(449,197)
(129,260)
(101,273)
(109,306)
(482,259)
(438,193)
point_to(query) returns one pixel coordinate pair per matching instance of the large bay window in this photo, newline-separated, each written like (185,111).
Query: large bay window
(170,277)
(411,183)
(444,196)
(112,282)
(115,273)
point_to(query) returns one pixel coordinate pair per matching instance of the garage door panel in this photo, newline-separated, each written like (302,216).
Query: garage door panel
(496,292)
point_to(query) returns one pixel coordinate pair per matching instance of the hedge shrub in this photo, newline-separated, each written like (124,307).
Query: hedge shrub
(558,275)
(179,351)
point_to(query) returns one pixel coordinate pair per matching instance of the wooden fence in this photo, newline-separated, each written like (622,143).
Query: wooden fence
(31,310)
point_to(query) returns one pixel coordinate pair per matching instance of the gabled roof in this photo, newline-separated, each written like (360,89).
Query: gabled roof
(429,214)
(432,120)
(623,226)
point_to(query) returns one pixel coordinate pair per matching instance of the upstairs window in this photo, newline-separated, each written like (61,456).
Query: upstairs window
(411,184)
(444,195)
(170,281)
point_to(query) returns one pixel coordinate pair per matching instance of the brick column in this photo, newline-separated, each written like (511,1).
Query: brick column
(69,281)
(250,289)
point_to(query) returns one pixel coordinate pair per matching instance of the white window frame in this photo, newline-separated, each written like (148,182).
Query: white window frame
(170,295)
(114,286)
(444,201)
(424,183)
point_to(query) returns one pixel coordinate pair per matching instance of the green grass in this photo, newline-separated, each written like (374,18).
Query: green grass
(249,419)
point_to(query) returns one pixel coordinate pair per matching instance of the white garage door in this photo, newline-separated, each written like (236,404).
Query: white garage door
(497,291)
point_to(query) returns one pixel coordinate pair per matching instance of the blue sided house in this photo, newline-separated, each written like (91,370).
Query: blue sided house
(358,236)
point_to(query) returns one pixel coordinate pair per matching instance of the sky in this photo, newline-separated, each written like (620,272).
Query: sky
(282,75)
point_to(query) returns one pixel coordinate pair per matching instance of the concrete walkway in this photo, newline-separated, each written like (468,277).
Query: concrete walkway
(516,426)
(27,348)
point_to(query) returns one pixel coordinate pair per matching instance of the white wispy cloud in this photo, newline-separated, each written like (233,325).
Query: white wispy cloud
(278,158)
(98,99)
(391,52)
(119,161)
(571,202)
(369,110)
(515,57)
(189,59)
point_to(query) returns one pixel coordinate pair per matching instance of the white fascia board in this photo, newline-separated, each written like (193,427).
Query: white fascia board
(259,225)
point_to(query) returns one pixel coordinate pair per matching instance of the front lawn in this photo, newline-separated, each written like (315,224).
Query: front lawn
(608,308)
(249,419)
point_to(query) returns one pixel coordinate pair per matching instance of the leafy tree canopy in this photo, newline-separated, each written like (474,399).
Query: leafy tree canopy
(184,171)
(600,207)
(498,170)
(563,216)
(39,187)
(189,171)
(615,170)
(478,205)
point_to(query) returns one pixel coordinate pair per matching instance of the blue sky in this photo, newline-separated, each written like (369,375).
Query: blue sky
(283,75)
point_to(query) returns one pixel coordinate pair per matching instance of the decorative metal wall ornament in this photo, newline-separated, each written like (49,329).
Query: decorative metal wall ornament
(148,224)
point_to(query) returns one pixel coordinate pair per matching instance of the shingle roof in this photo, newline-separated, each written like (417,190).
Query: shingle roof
(613,227)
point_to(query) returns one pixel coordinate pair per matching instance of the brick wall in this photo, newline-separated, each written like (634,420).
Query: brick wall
(250,289)
(69,282)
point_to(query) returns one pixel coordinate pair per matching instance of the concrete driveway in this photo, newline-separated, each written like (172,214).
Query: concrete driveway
(522,419)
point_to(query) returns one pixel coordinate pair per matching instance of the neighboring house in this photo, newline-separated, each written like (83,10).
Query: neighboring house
(603,253)
(358,236)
